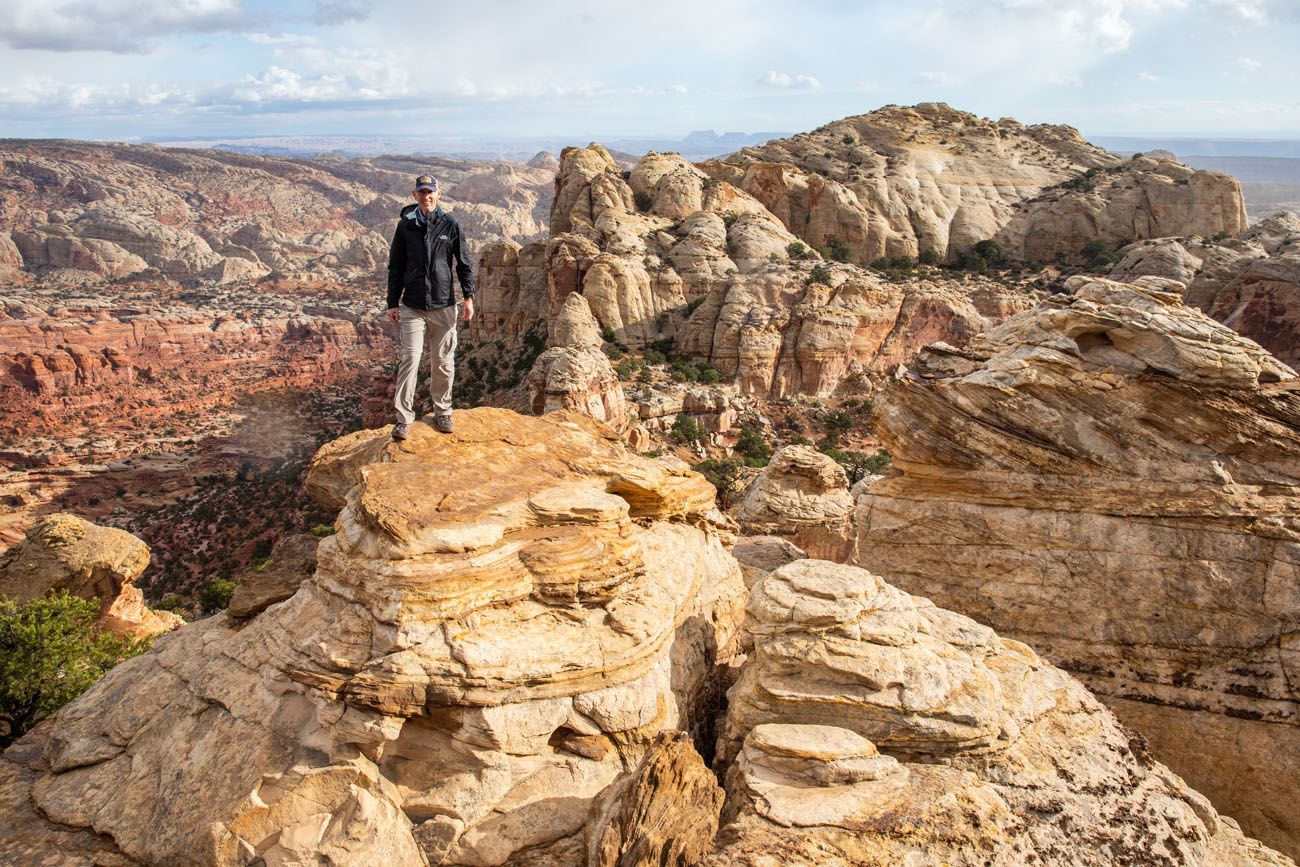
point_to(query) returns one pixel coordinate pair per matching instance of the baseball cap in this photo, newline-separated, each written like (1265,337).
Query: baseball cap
(426,182)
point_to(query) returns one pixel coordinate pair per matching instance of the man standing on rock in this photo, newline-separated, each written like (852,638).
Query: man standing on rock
(422,300)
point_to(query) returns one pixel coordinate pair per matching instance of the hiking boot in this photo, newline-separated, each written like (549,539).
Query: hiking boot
(401,431)
(443,423)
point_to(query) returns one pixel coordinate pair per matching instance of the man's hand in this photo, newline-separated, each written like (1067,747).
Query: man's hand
(392,315)
(467,309)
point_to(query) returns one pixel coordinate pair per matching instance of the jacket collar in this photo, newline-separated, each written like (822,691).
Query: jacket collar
(415,214)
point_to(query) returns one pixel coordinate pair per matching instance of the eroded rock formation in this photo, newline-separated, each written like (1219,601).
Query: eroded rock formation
(504,621)
(1141,198)
(1114,478)
(64,552)
(113,210)
(574,373)
(507,654)
(1251,282)
(872,728)
(802,495)
(928,179)
(638,250)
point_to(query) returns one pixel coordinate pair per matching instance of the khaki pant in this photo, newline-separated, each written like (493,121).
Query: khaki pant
(439,328)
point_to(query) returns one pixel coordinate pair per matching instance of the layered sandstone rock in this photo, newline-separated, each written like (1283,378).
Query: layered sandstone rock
(64,552)
(1251,283)
(778,334)
(1141,198)
(928,179)
(504,621)
(802,495)
(757,314)
(1115,478)
(871,727)
(574,373)
(83,368)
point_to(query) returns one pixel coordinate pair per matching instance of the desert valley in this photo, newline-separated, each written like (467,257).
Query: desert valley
(923,488)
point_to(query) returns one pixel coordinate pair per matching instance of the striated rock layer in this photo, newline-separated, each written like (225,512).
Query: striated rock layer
(802,495)
(872,728)
(503,622)
(1251,282)
(1115,479)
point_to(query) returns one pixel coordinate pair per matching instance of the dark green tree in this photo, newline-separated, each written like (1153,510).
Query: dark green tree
(838,250)
(687,430)
(725,475)
(50,653)
(215,595)
(753,447)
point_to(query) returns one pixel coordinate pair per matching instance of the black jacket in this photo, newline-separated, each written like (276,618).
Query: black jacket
(420,259)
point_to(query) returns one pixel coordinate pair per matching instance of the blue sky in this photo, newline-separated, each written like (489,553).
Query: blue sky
(129,69)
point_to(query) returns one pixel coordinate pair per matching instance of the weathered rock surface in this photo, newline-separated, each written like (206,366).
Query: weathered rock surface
(928,179)
(778,335)
(502,624)
(64,552)
(803,495)
(1137,199)
(1115,478)
(756,315)
(872,728)
(574,373)
(1251,283)
(665,813)
(293,560)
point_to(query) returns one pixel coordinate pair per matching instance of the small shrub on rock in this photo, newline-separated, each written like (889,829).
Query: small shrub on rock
(819,274)
(752,447)
(50,653)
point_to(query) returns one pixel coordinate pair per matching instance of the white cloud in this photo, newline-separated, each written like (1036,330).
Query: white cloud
(1065,79)
(327,12)
(939,78)
(1248,65)
(678,88)
(279,39)
(1148,76)
(783,79)
(33,92)
(1252,11)
(119,26)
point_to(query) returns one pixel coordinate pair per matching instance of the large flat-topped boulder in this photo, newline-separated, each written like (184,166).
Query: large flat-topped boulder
(1114,478)
(505,618)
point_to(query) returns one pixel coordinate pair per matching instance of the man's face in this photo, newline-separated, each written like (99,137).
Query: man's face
(426,199)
